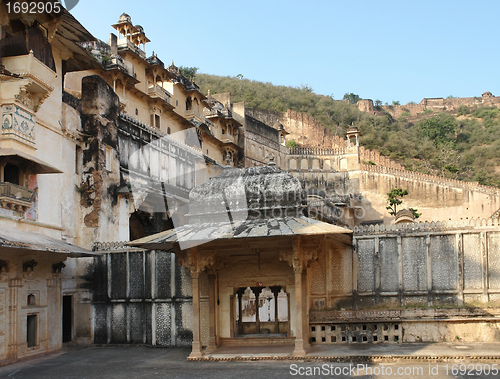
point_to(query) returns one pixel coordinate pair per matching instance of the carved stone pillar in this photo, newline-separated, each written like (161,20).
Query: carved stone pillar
(196,346)
(196,261)
(212,342)
(299,312)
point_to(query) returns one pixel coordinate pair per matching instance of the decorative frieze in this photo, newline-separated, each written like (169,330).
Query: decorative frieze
(18,123)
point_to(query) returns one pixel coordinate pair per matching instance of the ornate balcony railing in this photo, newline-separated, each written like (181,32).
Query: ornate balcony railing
(159,92)
(15,197)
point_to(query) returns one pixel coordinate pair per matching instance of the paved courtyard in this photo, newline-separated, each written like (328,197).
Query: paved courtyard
(144,362)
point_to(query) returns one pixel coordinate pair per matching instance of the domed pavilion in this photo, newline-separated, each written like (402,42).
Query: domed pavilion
(248,245)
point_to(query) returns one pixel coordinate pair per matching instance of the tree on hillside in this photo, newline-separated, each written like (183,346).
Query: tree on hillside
(188,72)
(438,128)
(351,97)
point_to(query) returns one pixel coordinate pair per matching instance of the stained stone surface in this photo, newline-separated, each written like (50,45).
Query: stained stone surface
(414,264)
(472,261)
(388,265)
(444,262)
(366,274)
(100,324)
(163,274)
(118,324)
(136,276)
(118,275)
(494,259)
(163,324)
(137,324)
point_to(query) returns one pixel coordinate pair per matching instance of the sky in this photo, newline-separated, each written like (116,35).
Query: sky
(381,50)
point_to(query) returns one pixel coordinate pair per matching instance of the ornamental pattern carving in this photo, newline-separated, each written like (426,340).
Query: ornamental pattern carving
(16,121)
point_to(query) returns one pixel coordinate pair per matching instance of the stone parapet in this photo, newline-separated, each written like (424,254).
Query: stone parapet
(401,172)
(426,226)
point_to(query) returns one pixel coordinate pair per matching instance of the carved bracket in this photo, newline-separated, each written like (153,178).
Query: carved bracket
(196,261)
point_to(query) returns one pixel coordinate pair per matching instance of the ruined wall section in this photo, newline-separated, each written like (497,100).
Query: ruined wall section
(100,176)
(303,129)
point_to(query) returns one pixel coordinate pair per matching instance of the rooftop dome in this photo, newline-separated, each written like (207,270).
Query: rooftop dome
(125,18)
(252,193)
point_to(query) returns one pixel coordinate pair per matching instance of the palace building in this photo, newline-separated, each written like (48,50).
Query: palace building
(136,209)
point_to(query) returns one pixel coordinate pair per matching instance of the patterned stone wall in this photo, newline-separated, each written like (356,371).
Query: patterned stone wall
(141,297)
(417,265)
(440,266)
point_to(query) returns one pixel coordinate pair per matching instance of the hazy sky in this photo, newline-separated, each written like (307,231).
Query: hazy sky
(386,50)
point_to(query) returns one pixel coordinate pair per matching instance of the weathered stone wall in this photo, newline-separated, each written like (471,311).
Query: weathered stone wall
(262,141)
(140,297)
(339,172)
(100,168)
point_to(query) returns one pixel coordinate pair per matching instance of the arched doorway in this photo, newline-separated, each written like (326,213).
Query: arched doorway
(261,310)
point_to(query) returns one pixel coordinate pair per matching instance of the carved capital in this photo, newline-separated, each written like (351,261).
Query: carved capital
(196,261)
(286,255)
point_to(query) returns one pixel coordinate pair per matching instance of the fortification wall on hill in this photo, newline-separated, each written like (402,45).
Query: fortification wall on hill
(438,104)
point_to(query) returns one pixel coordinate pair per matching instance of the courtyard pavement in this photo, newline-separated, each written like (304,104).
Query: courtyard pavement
(103,362)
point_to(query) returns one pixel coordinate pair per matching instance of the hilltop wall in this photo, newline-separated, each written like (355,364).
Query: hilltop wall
(431,104)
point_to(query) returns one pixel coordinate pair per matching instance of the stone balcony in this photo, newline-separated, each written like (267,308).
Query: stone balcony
(228,138)
(194,114)
(158,92)
(31,86)
(125,43)
(15,197)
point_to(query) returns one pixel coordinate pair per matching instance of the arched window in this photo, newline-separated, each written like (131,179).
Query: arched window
(168,130)
(189,104)
(31,299)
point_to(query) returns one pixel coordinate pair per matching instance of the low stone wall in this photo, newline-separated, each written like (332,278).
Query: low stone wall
(405,325)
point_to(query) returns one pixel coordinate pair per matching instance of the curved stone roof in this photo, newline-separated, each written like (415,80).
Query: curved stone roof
(253,202)
(263,192)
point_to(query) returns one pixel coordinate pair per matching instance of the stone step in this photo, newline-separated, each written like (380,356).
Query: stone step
(256,341)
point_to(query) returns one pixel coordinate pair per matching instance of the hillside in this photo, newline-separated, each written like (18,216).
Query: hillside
(464,145)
